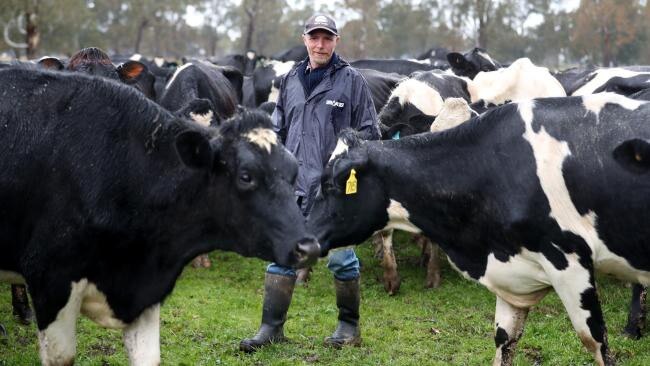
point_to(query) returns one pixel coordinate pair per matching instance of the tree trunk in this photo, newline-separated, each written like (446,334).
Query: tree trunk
(143,24)
(250,28)
(32,34)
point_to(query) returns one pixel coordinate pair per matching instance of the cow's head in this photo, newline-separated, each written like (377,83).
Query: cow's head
(344,213)
(411,108)
(471,63)
(253,203)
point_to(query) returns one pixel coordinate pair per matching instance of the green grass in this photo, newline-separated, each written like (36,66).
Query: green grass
(211,310)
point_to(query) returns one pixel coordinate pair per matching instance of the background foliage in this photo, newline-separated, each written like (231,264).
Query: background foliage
(550,32)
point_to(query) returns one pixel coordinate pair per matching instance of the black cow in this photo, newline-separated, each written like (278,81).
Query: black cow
(202,91)
(437,56)
(471,62)
(402,67)
(295,54)
(106,196)
(414,104)
(94,61)
(381,84)
(528,197)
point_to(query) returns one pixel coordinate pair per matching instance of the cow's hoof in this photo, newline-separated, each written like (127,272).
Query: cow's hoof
(24,315)
(392,284)
(303,275)
(632,332)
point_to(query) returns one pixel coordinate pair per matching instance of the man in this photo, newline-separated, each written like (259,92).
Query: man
(318,98)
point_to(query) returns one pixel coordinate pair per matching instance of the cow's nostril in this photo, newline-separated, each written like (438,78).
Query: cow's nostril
(307,252)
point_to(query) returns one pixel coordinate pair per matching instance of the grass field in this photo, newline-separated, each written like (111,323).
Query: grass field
(211,310)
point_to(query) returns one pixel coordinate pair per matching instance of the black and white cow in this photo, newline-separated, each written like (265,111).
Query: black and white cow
(401,67)
(416,101)
(528,197)
(266,80)
(621,80)
(437,56)
(106,196)
(245,63)
(203,85)
(471,62)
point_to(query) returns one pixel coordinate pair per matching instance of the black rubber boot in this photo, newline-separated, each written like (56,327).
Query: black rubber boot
(20,303)
(348,298)
(278,290)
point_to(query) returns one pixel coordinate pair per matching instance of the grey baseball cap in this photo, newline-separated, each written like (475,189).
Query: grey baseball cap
(320,21)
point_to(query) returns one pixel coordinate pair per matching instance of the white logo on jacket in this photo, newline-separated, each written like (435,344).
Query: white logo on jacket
(334,103)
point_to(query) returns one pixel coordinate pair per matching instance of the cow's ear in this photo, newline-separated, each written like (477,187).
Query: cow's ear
(342,168)
(131,70)
(633,155)
(194,150)
(50,63)
(456,60)
(236,79)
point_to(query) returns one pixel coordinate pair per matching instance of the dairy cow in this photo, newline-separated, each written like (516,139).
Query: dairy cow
(106,196)
(472,62)
(528,197)
(203,92)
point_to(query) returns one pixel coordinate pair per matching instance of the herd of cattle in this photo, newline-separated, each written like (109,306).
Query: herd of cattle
(528,180)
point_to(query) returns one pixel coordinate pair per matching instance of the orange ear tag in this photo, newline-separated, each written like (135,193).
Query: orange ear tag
(351,184)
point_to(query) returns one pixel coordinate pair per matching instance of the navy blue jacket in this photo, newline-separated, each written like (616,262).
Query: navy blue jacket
(309,124)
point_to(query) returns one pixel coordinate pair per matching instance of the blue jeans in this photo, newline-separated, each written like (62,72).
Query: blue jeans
(343,263)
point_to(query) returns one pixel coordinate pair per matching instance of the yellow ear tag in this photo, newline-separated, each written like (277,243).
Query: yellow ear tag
(351,184)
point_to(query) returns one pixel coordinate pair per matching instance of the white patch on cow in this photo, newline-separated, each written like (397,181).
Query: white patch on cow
(58,342)
(274,94)
(522,80)
(420,95)
(487,57)
(549,156)
(263,137)
(250,55)
(596,102)
(202,119)
(281,68)
(159,61)
(454,112)
(136,57)
(602,75)
(398,218)
(142,338)
(521,281)
(96,308)
(423,62)
(340,149)
(178,71)
(11,277)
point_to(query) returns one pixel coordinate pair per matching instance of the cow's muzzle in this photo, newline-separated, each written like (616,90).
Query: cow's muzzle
(306,252)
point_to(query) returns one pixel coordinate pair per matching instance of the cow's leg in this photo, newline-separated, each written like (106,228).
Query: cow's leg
(509,326)
(58,339)
(303,275)
(576,288)
(142,338)
(378,244)
(433,263)
(20,304)
(391,277)
(636,316)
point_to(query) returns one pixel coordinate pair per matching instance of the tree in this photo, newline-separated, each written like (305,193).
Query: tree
(603,28)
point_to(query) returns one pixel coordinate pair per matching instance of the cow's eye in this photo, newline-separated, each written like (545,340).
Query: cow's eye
(245,178)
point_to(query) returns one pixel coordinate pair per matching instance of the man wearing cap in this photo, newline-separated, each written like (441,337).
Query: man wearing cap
(319,97)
